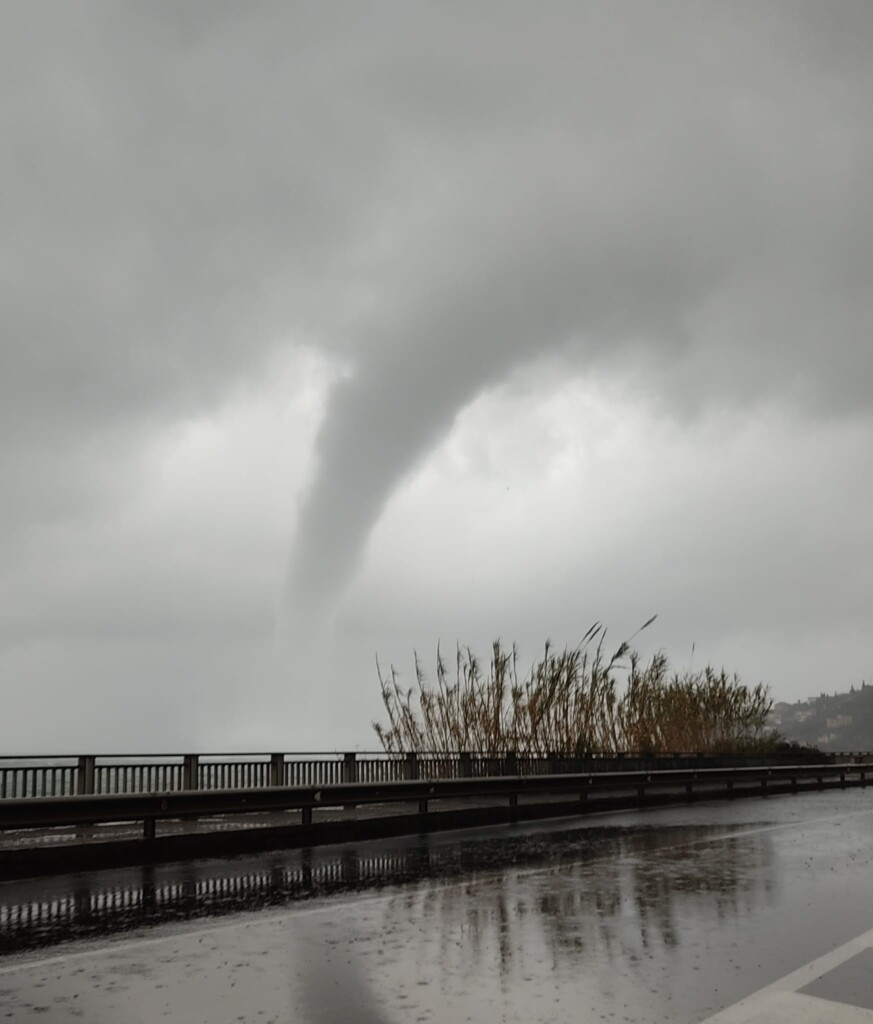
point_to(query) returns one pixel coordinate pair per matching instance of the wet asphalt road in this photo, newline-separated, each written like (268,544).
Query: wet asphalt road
(666,915)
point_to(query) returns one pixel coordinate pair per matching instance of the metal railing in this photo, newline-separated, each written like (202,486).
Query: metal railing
(111,774)
(149,808)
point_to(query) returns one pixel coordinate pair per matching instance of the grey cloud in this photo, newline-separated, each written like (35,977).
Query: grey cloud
(172,209)
(712,213)
(437,194)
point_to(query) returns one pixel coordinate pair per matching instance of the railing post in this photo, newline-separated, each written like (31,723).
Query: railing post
(350,774)
(411,766)
(85,774)
(277,769)
(191,771)
(511,763)
(350,768)
(465,765)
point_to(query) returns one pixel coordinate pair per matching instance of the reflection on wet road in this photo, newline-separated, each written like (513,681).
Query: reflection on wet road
(46,912)
(664,915)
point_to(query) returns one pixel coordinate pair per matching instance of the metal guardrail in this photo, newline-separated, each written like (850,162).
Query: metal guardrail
(111,774)
(149,808)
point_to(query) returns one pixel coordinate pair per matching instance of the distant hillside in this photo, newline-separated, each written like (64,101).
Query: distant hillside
(842,721)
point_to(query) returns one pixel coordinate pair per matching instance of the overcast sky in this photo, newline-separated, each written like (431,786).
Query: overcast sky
(330,330)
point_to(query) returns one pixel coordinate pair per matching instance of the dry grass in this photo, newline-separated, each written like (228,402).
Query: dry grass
(575,702)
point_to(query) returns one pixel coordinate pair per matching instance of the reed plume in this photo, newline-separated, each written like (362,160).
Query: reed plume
(573,702)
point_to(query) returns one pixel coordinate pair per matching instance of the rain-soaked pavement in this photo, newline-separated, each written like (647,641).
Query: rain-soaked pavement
(645,916)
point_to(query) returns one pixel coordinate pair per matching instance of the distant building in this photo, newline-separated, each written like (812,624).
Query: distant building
(839,721)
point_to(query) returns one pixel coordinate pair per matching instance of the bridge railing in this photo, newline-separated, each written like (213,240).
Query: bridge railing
(149,808)
(23,777)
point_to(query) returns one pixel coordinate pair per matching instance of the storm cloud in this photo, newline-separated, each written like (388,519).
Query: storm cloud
(341,234)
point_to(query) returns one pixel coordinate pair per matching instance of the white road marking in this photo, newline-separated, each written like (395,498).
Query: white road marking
(781,1003)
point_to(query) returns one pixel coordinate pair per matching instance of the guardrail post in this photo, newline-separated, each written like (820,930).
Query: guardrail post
(85,775)
(842,780)
(411,766)
(641,792)
(277,769)
(148,828)
(689,790)
(465,765)
(350,768)
(190,771)
(422,806)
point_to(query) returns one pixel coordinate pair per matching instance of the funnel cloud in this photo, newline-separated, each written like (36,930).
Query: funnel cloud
(618,218)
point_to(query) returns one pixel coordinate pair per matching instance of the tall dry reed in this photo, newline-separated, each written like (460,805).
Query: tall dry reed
(575,702)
